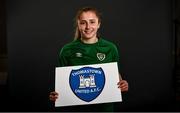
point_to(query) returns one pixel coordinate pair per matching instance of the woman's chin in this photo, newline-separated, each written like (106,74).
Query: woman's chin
(87,37)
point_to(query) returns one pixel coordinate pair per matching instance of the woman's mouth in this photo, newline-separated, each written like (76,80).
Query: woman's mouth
(88,32)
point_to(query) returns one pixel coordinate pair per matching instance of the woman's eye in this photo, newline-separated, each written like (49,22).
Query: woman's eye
(82,23)
(92,22)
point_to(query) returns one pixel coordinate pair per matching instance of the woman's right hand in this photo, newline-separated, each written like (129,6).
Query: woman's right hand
(53,96)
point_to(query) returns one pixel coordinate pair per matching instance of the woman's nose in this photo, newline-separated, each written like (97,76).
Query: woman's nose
(87,26)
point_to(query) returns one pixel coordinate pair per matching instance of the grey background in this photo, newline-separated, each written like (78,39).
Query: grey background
(37,29)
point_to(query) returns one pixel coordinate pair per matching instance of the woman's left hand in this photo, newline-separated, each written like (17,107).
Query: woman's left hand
(123,84)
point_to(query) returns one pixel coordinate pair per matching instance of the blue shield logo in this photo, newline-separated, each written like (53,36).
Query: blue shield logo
(87,83)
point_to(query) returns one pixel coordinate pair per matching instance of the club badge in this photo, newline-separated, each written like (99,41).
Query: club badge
(87,83)
(101,56)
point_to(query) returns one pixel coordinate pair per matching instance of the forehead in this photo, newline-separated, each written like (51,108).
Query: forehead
(88,15)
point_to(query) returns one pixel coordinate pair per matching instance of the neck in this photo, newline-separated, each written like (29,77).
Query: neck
(89,41)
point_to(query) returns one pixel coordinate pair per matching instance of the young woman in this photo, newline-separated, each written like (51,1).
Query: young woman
(89,48)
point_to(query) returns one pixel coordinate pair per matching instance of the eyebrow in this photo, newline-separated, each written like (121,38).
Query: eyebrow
(89,19)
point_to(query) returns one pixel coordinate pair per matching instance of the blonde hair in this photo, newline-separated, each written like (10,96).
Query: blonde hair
(77,17)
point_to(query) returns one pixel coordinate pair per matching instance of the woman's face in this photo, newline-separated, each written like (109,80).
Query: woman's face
(88,25)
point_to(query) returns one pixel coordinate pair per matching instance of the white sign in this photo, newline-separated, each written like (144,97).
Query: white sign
(87,84)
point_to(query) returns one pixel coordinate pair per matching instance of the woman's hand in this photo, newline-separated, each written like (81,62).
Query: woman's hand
(123,85)
(53,96)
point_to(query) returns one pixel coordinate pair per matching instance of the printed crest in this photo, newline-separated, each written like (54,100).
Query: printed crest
(101,56)
(87,83)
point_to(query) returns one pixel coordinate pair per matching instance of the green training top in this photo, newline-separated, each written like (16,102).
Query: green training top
(79,53)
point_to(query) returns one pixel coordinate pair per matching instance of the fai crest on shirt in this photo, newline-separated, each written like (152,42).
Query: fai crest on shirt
(101,56)
(87,83)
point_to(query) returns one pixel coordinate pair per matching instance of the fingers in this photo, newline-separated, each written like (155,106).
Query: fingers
(123,85)
(53,93)
(53,96)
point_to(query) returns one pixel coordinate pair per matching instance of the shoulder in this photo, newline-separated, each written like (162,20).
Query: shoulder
(69,46)
(105,42)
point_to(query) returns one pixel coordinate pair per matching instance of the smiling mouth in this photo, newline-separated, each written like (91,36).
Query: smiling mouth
(88,32)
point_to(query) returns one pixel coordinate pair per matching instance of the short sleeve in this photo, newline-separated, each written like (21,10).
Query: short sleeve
(116,56)
(62,60)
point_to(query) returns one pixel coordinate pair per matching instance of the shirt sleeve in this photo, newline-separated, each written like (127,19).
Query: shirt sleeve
(116,56)
(118,60)
(62,60)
